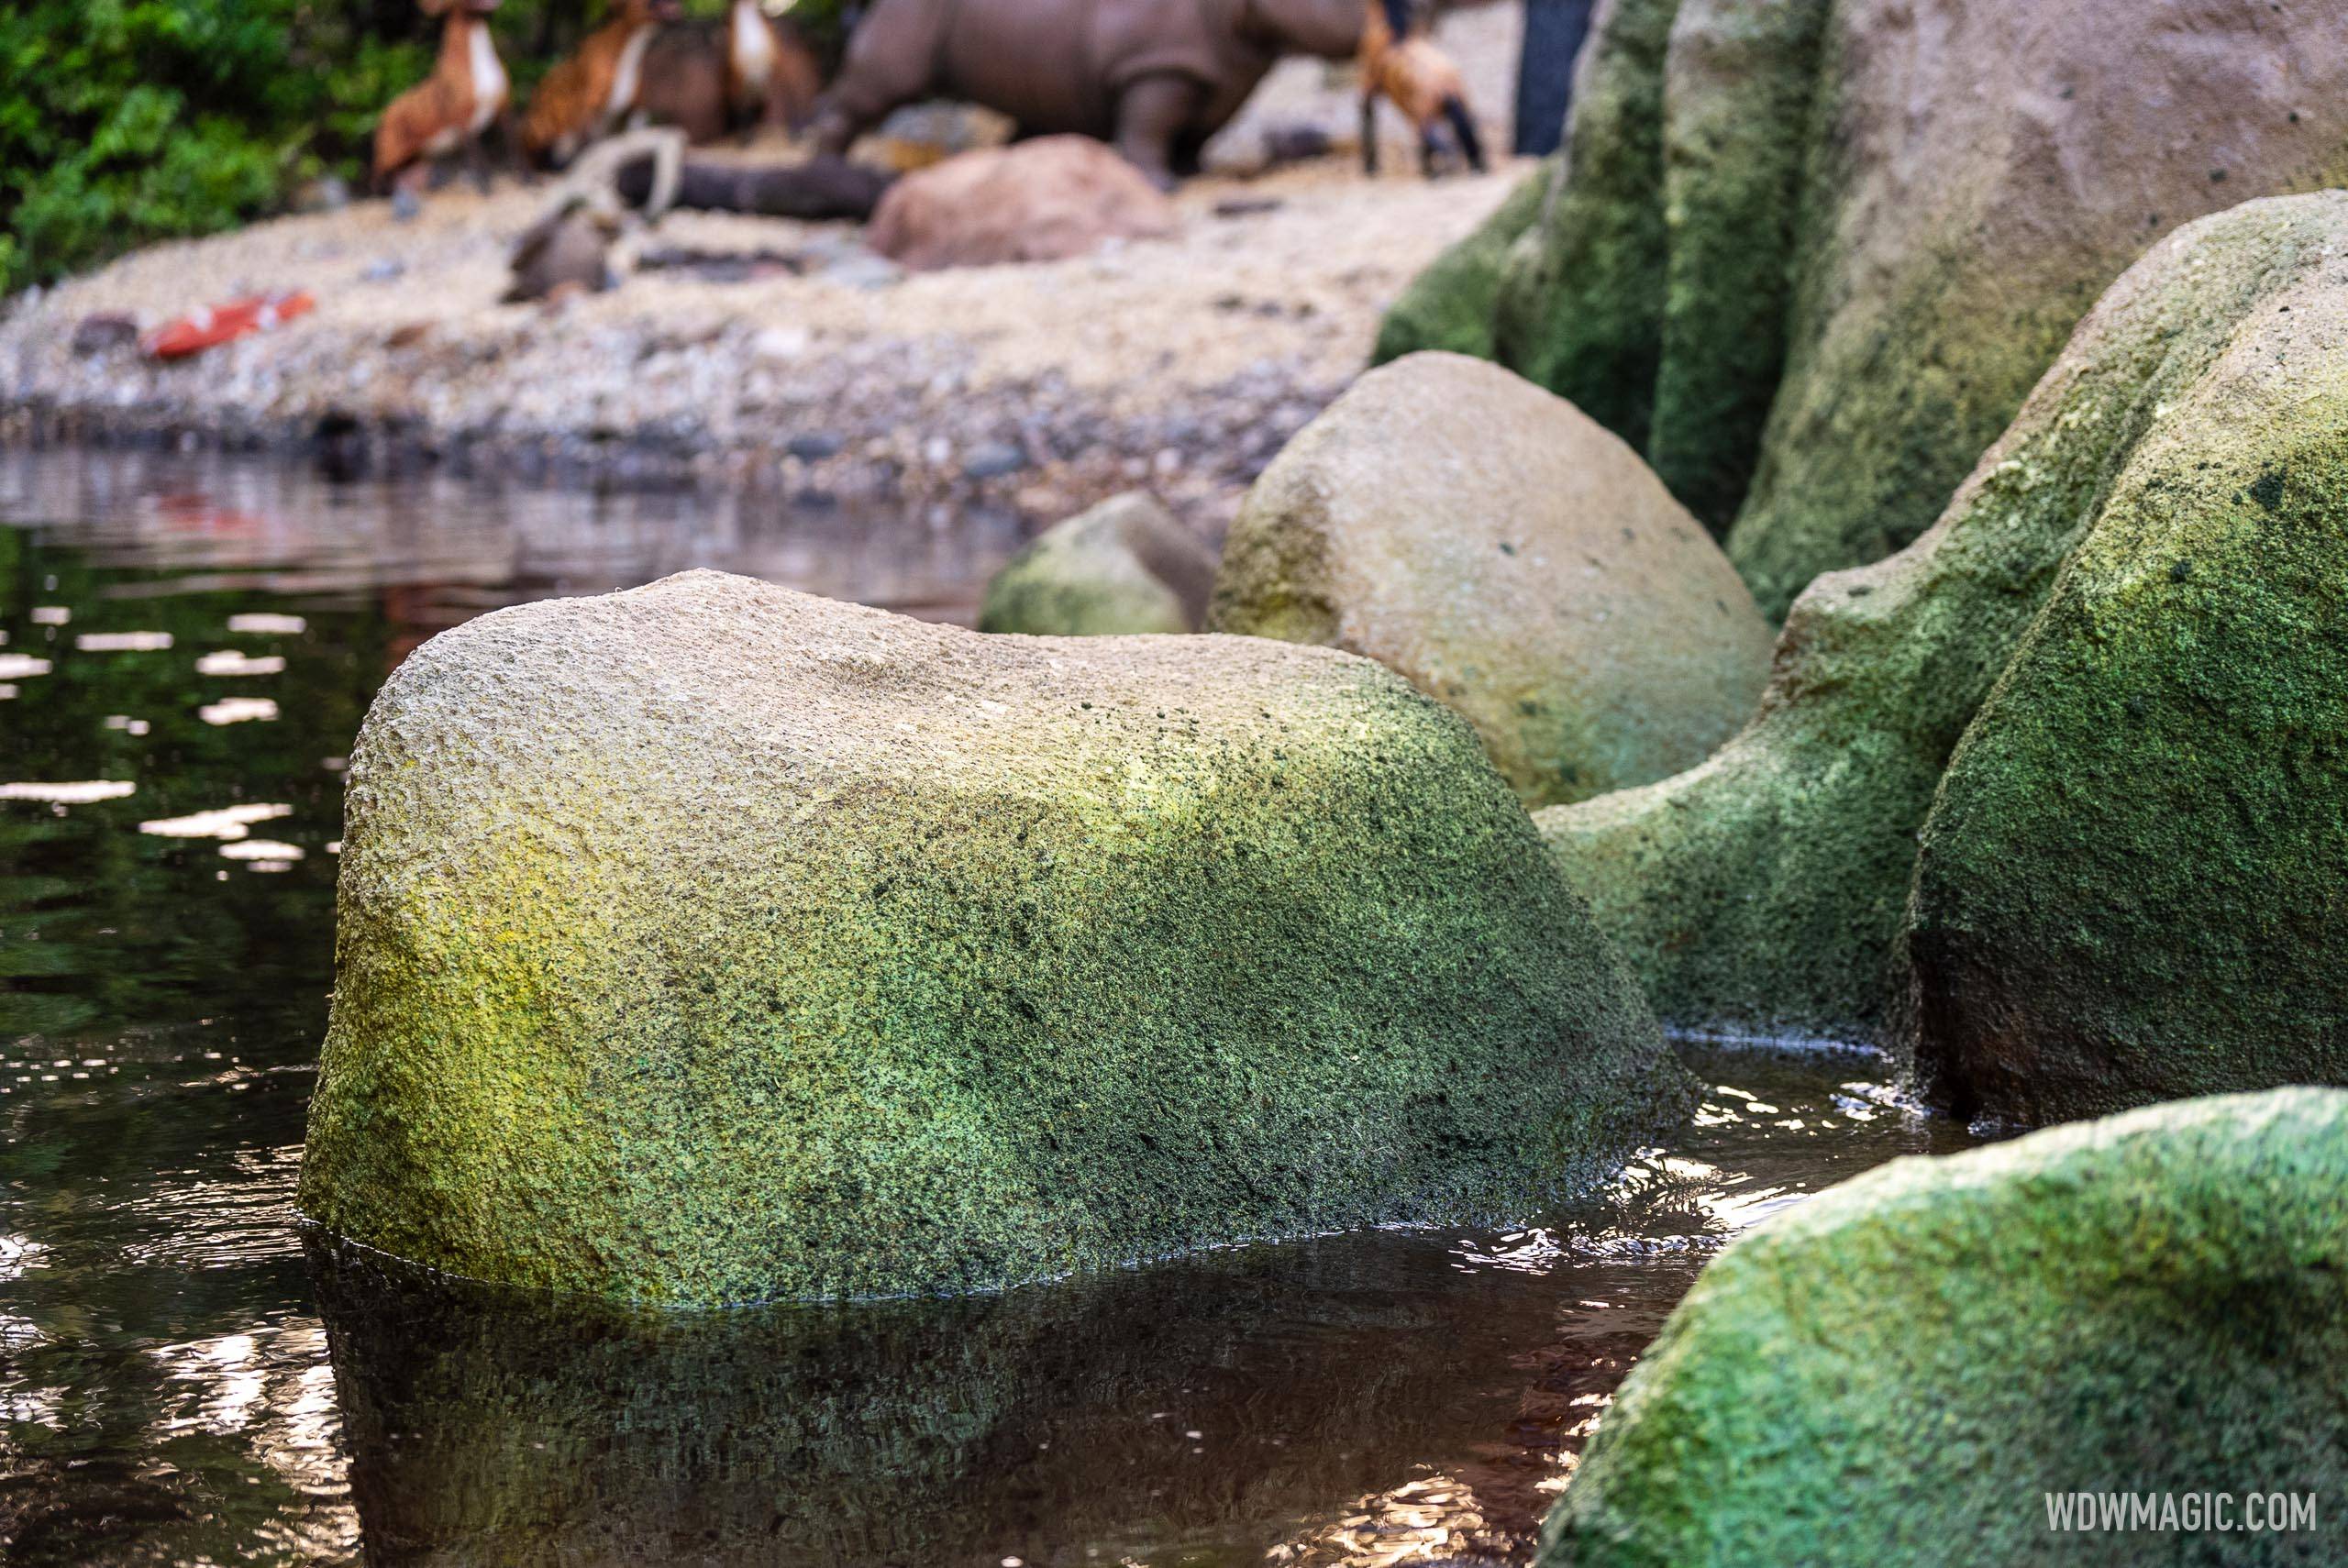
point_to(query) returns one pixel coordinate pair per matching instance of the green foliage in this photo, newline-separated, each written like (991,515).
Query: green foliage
(122,121)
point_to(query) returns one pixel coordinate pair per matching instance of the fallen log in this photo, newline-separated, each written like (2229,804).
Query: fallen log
(820,187)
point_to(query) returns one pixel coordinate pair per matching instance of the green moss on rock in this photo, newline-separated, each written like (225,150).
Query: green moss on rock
(1738,81)
(1765,890)
(1449,306)
(1899,1370)
(711,941)
(1580,306)
(1878,224)
(1125,567)
(2130,886)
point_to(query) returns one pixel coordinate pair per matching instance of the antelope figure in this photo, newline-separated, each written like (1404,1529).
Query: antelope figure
(448,110)
(1419,80)
(770,78)
(738,75)
(595,90)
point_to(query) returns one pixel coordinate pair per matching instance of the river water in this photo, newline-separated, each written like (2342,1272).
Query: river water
(186,1375)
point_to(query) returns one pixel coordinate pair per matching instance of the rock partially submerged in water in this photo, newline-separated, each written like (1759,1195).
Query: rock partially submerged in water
(1513,559)
(2130,885)
(1766,890)
(1912,1362)
(1827,249)
(1127,566)
(711,941)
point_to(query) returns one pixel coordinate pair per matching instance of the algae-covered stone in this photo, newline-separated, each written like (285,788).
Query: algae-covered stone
(1127,565)
(1943,272)
(710,941)
(1512,559)
(1879,220)
(2130,884)
(1738,81)
(1908,1368)
(1765,889)
(1449,305)
(1579,308)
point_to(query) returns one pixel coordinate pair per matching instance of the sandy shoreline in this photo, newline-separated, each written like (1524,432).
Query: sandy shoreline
(1184,364)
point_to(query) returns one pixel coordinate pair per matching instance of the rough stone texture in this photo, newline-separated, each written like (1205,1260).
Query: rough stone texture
(1765,889)
(1879,220)
(1125,565)
(1898,1370)
(1580,308)
(1510,557)
(1449,305)
(1737,83)
(1043,200)
(2130,886)
(711,941)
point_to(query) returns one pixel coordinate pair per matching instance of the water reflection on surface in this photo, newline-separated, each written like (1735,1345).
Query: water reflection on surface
(184,1377)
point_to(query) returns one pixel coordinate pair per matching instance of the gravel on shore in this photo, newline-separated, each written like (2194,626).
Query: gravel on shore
(772,353)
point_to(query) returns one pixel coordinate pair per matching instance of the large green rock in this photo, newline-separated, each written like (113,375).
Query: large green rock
(1578,309)
(1738,82)
(1449,305)
(1902,1369)
(2131,885)
(711,941)
(1765,890)
(1879,220)
(1125,567)
(1513,559)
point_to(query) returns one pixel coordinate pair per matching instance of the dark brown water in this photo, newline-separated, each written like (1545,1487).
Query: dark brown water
(186,1377)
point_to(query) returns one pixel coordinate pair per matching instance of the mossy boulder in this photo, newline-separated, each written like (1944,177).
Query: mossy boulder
(1580,309)
(1811,258)
(1449,305)
(711,941)
(1765,890)
(1513,559)
(2130,884)
(1902,1369)
(1125,567)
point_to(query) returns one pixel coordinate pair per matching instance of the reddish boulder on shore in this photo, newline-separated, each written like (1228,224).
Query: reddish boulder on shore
(1036,201)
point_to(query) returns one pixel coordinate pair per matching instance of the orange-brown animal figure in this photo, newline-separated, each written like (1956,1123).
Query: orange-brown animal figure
(1419,80)
(593,92)
(771,76)
(739,73)
(447,111)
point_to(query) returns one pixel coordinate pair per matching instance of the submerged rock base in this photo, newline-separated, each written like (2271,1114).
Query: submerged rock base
(1906,1368)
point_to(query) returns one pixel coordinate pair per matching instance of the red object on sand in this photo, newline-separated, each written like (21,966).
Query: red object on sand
(210,327)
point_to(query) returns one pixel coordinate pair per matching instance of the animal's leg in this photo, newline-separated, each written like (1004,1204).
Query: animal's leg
(1369,133)
(1150,117)
(477,163)
(1428,150)
(509,143)
(1463,124)
(889,62)
(408,188)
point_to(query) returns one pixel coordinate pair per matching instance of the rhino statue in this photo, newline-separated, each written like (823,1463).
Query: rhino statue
(1156,78)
